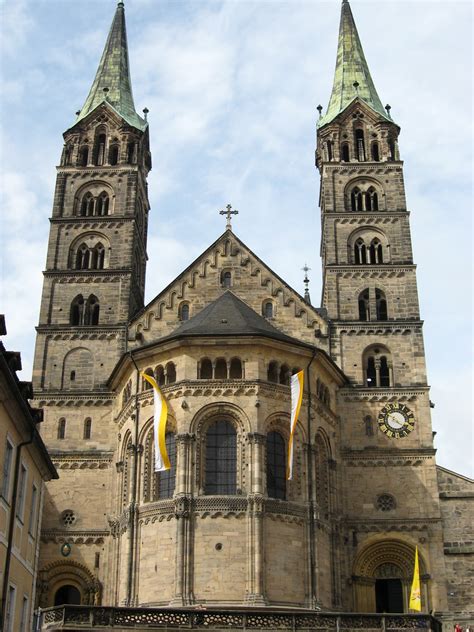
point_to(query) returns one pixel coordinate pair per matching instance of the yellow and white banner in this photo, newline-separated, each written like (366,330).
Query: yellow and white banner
(415,593)
(162,461)
(297,382)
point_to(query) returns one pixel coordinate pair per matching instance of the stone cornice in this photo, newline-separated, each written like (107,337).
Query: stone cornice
(391,328)
(59,398)
(367,269)
(390,524)
(76,460)
(365,216)
(95,220)
(363,394)
(383,458)
(75,275)
(85,536)
(67,332)
(93,170)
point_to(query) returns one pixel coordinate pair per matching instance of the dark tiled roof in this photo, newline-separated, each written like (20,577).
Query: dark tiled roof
(228,315)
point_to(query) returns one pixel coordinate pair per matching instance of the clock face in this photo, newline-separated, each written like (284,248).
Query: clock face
(396,420)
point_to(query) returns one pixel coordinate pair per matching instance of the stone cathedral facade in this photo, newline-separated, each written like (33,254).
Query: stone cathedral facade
(223,527)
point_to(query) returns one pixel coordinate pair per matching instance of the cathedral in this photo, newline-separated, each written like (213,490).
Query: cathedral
(223,528)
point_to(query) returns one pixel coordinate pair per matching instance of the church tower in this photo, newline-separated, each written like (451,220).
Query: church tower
(93,285)
(95,270)
(370,294)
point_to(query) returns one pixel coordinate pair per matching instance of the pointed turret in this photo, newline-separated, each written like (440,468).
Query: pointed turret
(112,82)
(352,76)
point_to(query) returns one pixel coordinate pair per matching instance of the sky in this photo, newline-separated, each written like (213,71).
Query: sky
(232,88)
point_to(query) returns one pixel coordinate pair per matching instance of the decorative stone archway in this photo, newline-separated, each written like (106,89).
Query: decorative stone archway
(67,573)
(382,560)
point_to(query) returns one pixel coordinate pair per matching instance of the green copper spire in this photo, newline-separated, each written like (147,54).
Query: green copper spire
(112,81)
(352,77)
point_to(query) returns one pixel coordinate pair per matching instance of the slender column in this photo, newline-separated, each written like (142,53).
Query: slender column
(377,373)
(184,522)
(255,560)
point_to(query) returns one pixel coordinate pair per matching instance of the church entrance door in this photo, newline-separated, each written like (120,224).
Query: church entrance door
(389,595)
(67,595)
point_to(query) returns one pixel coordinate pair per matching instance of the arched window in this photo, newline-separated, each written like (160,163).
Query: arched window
(276,466)
(99,149)
(371,373)
(377,367)
(345,152)
(384,372)
(77,311)
(146,386)
(391,148)
(98,257)
(360,251)
(371,200)
(206,369)
(160,375)
(268,309)
(170,373)
(285,374)
(356,200)
(87,205)
(62,428)
(273,372)
(364,305)
(369,426)
(102,204)
(375,152)
(381,305)
(376,251)
(131,153)
(360,144)
(113,155)
(83,157)
(221,369)
(82,257)
(184,311)
(235,372)
(87,428)
(91,313)
(329,149)
(166,479)
(226,279)
(221,459)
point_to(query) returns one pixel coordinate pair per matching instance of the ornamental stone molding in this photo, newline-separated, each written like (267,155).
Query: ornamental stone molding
(86,538)
(44,399)
(360,394)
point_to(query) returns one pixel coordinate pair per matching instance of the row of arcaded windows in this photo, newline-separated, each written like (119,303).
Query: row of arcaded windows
(219,369)
(322,392)
(103,152)
(364,200)
(163,375)
(84,312)
(91,205)
(220,467)
(87,428)
(371,253)
(90,257)
(280,373)
(367,302)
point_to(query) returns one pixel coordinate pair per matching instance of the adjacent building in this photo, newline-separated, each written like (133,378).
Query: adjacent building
(24,467)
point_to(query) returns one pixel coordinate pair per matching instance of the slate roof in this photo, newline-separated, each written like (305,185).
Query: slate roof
(351,67)
(228,315)
(113,74)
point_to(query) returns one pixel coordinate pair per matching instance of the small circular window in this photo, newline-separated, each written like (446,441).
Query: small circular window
(68,518)
(385,502)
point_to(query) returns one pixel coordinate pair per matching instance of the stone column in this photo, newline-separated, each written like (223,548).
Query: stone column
(255,557)
(184,521)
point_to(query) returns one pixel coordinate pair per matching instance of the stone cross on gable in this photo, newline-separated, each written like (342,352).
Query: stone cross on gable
(229,212)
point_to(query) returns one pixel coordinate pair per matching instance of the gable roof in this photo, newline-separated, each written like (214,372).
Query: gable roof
(227,234)
(228,315)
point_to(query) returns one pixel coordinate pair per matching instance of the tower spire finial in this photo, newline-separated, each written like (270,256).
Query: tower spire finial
(352,77)
(113,74)
(307,297)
